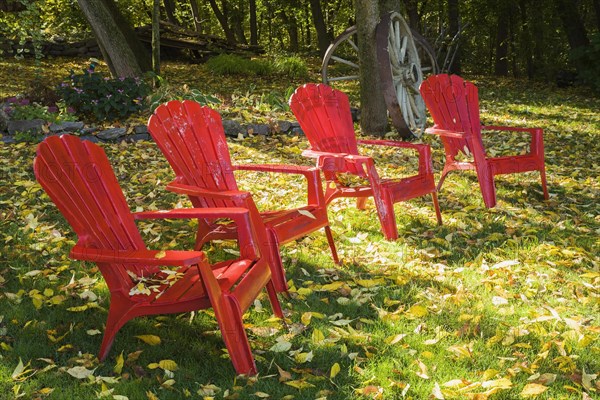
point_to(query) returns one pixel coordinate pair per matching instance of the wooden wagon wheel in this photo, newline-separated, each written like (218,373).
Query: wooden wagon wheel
(409,49)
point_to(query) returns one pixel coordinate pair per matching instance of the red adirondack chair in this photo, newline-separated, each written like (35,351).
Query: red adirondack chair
(78,178)
(324,115)
(454,106)
(193,141)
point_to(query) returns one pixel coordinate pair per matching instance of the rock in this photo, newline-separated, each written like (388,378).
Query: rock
(3,120)
(90,138)
(7,139)
(232,128)
(89,130)
(137,137)
(112,134)
(66,126)
(282,126)
(139,129)
(257,129)
(296,130)
(29,125)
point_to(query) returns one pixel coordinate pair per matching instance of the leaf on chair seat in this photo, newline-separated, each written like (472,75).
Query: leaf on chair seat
(307,213)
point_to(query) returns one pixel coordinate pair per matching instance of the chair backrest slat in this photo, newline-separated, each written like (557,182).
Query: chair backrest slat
(193,140)
(80,181)
(325,117)
(324,114)
(454,105)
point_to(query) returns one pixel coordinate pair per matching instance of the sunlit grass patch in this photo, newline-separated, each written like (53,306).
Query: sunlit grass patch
(487,304)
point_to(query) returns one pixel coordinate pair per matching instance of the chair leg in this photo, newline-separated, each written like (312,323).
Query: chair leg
(436,205)
(387,218)
(331,244)
(276,264)
(361,203)
(117,317)
(486,184)
(234,336)
(275,305)
(442,179)
(544,182)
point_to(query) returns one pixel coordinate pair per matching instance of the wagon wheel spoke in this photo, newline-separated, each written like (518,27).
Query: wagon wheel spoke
(401,75)
(408,56)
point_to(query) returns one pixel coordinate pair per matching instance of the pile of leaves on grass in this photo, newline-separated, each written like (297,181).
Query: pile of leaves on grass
(500,303)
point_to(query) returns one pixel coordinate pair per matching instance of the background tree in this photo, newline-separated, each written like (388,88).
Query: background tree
(373,109)
(120,47)
(323,38)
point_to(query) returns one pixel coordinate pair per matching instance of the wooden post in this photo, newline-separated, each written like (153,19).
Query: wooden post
(156,41)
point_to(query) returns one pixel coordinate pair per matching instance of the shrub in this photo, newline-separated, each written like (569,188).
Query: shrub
(230,64)
(588,58)
(167,92)
(103,98)
(56,114)
(292,67)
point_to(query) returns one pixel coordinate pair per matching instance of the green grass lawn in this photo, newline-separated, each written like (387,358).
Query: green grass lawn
(500,304)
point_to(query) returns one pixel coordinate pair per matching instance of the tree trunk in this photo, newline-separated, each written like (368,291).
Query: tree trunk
(573,26)
(501,60)
(156,39)
(140,51)
(527,43)
(196,16)
(109,34)
(222,17)
(412,11)
(453,29)
(292,28)
(373,109)
(170,11)
(237,22)
(319,22)
(253,24)
(597,12)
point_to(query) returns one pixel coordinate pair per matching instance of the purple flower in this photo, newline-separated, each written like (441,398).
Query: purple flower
(108,96)
(70,110)
(24,102)
(52,109)
(12,100)
(79,91)
(95,102)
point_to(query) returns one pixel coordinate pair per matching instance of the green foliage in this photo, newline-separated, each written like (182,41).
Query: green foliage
(231,64)
(167,92)
(293,67)
(54,114)
(588,60)
(94,95)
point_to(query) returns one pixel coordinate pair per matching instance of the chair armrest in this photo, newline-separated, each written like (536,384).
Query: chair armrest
(280,168)
(316,154)
(247,237)
(312,175)
(145,257)
(445,133)
(510,128)
(392,143)
(189,213)
(425,162)
(537,136)
(191,190)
